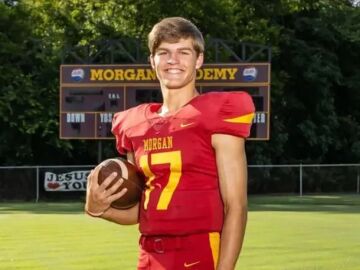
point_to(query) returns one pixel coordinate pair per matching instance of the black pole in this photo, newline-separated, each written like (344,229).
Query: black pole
(99,151)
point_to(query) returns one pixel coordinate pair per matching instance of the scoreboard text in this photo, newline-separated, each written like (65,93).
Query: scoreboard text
(91,94)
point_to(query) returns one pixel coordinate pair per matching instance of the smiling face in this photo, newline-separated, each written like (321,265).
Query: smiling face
(176,63)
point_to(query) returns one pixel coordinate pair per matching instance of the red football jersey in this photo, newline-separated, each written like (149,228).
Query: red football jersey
(174,152)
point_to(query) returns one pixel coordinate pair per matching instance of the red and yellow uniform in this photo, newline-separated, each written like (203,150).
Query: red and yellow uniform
(175,153)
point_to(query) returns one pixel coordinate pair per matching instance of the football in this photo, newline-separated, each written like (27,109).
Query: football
(133,180)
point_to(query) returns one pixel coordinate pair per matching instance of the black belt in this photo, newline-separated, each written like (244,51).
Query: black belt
(160,244)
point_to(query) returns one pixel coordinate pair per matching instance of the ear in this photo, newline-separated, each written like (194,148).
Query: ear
(199,60)
(151,58)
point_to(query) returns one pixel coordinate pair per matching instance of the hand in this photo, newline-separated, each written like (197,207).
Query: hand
(99,197)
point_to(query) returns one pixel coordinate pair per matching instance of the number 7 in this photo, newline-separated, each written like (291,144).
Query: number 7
(174,158)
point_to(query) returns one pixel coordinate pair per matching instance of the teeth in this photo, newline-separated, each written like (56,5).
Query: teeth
(174,71)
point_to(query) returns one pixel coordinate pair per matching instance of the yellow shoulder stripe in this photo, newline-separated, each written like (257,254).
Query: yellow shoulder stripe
(244,119)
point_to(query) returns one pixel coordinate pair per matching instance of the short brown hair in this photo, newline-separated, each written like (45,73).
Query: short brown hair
(172,30)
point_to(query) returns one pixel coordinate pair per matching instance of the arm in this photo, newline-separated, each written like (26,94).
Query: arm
(99,199)
(232,169)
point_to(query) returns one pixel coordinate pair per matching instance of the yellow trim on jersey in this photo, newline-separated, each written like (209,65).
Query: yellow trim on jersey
(214,239)
(244,119)
(148,173)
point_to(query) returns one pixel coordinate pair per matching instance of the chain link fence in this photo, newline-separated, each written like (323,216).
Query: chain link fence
(303,179)
(64,183)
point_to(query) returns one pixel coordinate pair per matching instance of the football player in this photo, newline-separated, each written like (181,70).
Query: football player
(191,148)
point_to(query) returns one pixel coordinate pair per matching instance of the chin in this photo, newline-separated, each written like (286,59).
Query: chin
(173,85)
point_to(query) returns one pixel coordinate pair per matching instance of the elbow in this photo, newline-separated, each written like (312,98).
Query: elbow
(239,208)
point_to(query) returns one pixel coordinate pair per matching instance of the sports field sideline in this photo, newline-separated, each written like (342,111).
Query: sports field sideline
(283,233)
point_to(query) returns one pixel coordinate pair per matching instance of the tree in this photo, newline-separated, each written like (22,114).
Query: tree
(314,83)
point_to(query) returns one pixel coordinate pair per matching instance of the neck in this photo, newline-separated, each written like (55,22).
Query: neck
(176,98)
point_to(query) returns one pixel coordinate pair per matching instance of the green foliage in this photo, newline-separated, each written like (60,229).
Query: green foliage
(28,98)
(315,79)
(315,48)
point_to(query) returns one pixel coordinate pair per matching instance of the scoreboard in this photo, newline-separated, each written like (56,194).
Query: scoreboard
(91,94)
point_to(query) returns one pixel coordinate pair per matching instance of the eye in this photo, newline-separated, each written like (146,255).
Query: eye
(185,52)
(161,52)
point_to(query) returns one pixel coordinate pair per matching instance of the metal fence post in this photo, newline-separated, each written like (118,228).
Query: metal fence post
(358,181)
(301,180)
(37,183)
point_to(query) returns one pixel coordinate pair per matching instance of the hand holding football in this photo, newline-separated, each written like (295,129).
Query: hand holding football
(133,181)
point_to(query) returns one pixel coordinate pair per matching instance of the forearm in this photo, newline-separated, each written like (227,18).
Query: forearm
(232,237)
(124,217)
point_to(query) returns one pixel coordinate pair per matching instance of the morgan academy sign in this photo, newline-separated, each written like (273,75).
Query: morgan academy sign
(231,73)
(148,74)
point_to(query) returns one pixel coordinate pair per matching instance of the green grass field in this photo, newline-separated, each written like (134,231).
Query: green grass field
(284,233)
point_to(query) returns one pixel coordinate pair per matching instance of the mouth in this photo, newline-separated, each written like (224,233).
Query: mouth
(174,70)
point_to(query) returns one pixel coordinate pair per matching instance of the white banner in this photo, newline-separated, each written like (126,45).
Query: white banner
(70,181)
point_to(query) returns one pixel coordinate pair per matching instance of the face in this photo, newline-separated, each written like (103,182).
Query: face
(176,63)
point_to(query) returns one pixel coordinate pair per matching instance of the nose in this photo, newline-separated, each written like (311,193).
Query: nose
(173,58)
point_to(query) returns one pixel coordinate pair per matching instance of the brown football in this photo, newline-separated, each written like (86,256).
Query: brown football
(133,181)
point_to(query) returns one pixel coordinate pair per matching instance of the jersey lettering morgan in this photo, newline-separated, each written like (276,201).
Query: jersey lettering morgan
(175,153)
